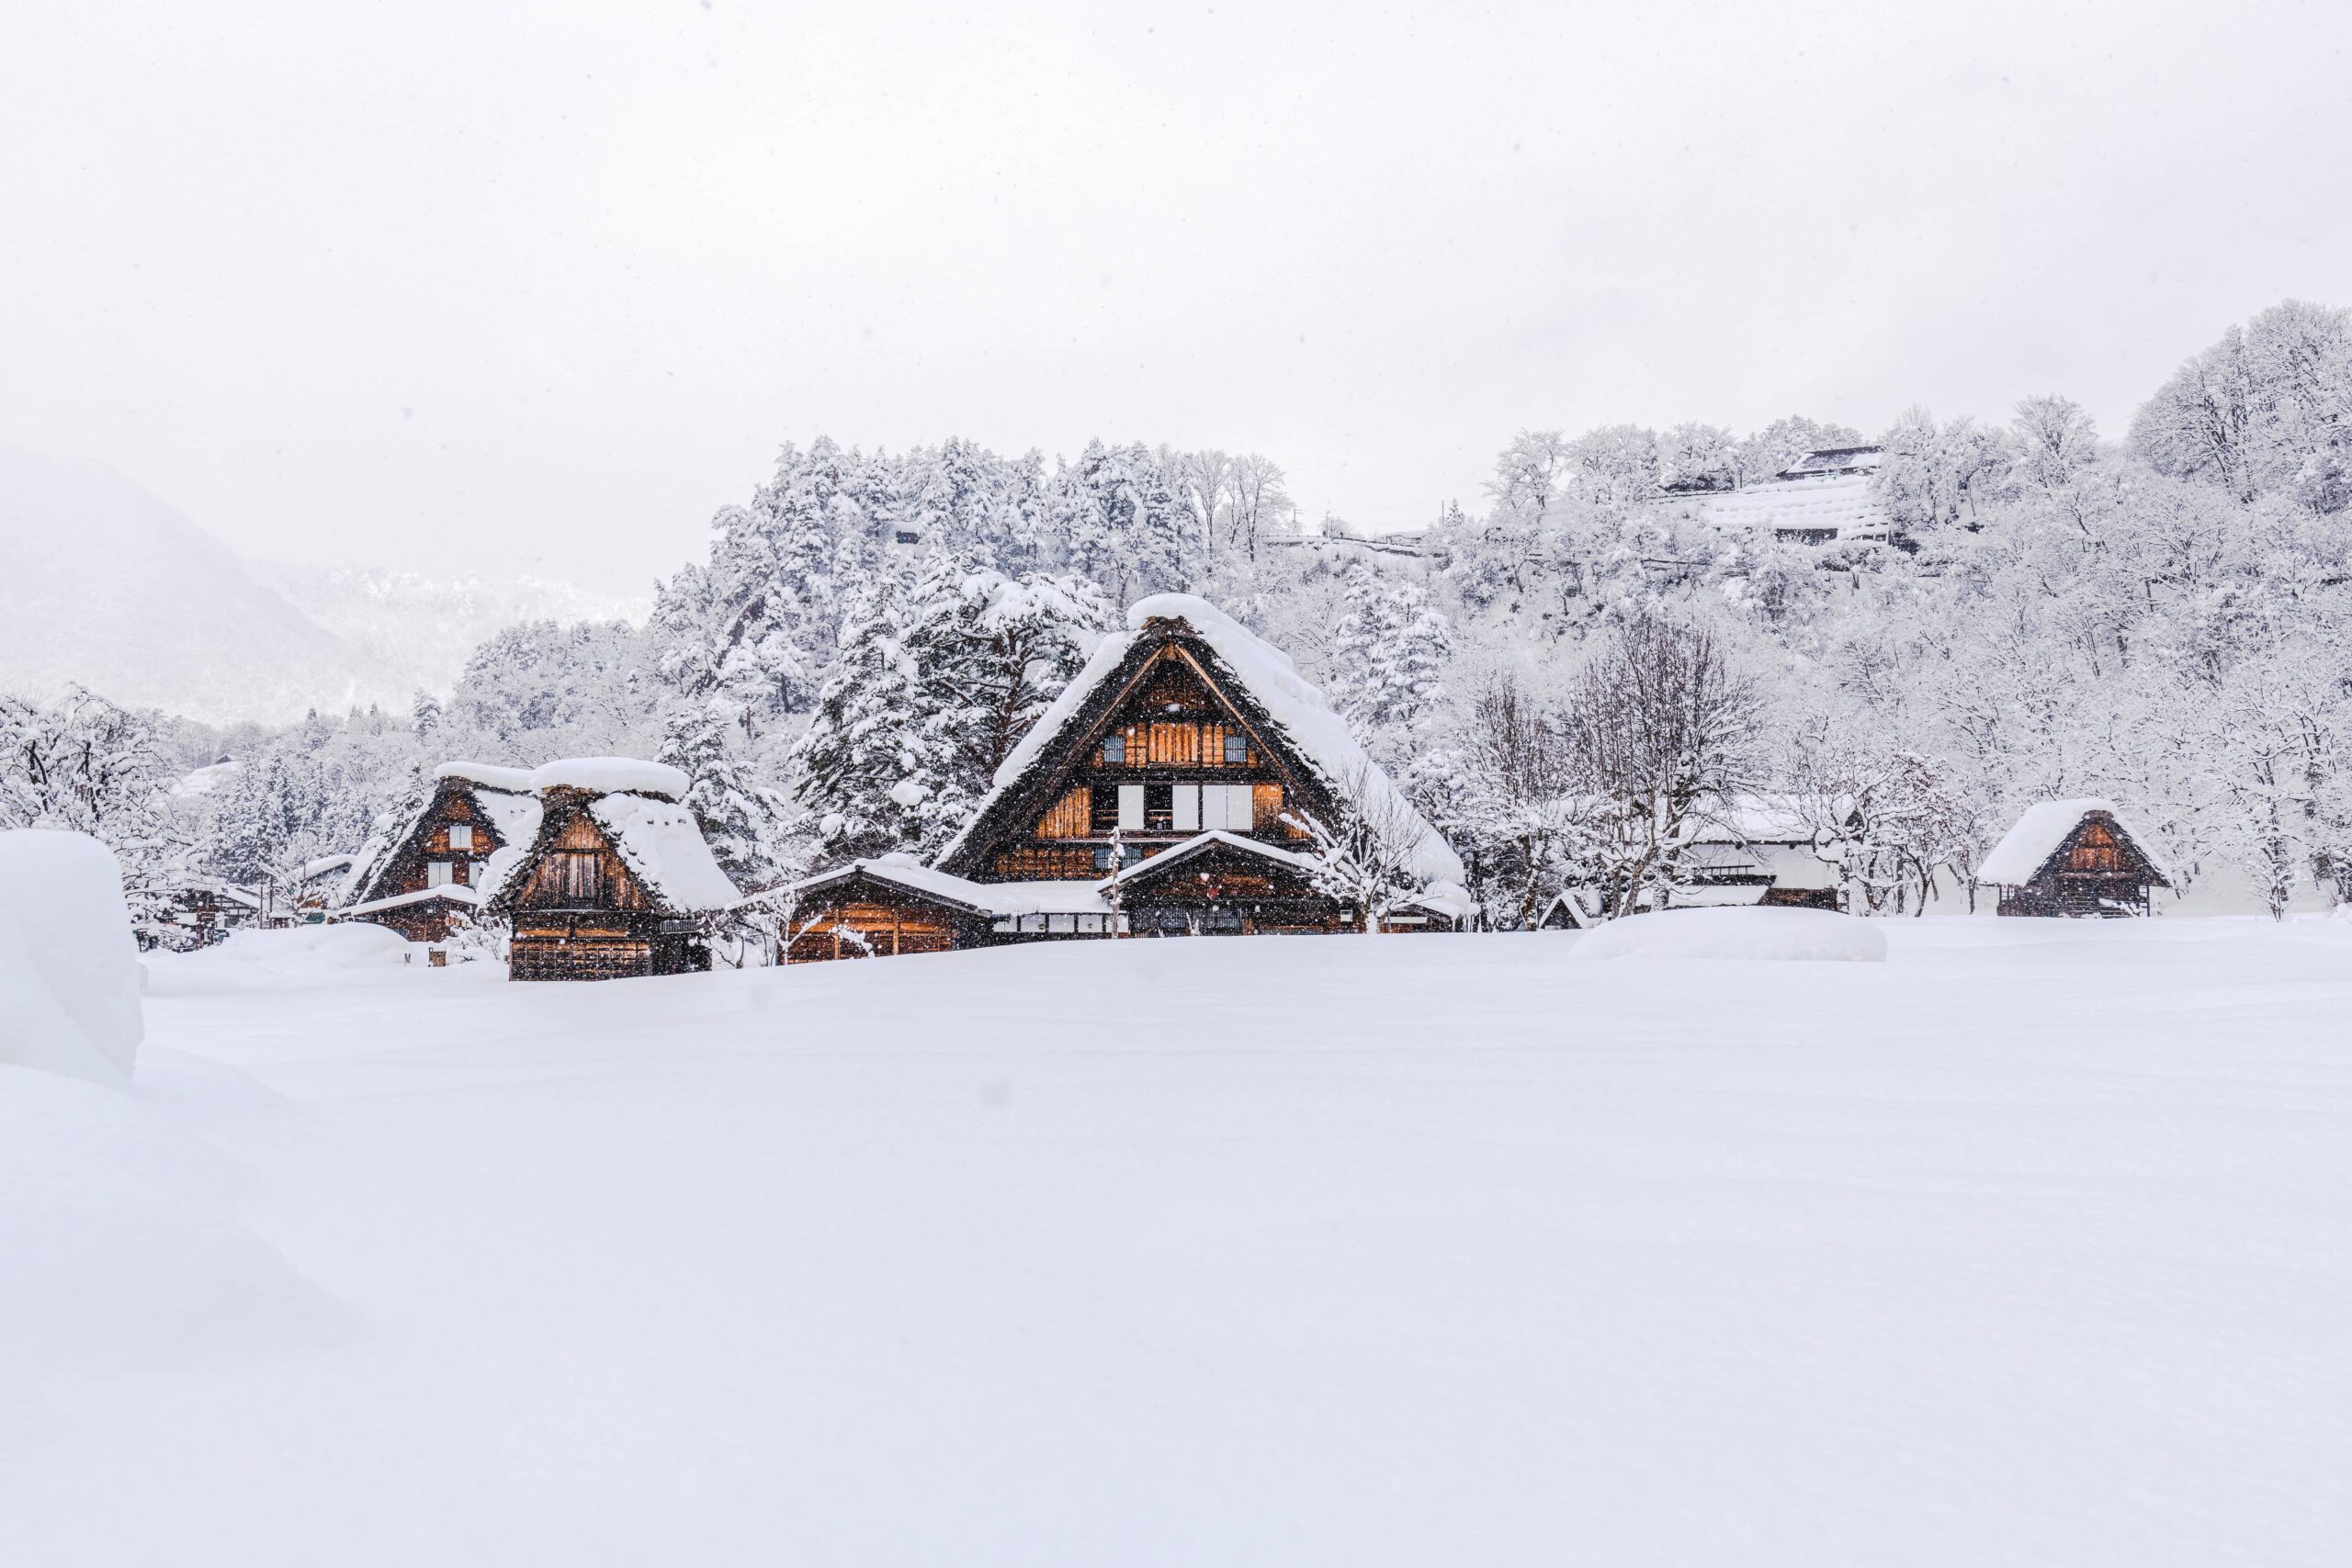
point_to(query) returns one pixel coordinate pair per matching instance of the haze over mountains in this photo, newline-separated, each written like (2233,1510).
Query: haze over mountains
(104,583)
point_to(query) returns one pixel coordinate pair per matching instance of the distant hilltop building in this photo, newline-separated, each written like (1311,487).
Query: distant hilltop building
(1822,497)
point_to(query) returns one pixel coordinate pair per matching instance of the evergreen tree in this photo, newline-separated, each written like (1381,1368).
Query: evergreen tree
(856,767)
(742,819)
(1388,655)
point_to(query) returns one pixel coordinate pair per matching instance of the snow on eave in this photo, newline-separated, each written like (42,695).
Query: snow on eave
(983,899)
(2044,828)
(452,892)
(1298,715)
(612,775)
(662,846)
(1209,838)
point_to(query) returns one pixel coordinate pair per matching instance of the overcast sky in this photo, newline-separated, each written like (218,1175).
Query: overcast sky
(537,288)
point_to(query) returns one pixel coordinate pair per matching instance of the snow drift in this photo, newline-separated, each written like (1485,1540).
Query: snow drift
(298,955)
(69,967)
(1805,935)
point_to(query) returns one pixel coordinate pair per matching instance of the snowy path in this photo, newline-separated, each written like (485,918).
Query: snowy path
(2032,1245)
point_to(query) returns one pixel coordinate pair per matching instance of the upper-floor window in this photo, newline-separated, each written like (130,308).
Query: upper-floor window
(437,874)
(1237,750)
(1114,748)
(461,835)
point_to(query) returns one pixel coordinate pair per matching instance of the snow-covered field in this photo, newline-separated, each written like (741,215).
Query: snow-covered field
(2030,1245)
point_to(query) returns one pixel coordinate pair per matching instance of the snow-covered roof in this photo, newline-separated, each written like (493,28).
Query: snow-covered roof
(1753,819)
(1844,505)
(1835,460)
(1296,708)
(452,892)
(2023,850)
(609,775)
(660,842)
(514,781)
(313,869)
(1175,853)
(998,898)
(207,779)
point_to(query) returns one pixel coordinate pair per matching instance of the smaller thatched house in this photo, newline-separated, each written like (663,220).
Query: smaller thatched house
(2074,857)
(615,882)
(424,866)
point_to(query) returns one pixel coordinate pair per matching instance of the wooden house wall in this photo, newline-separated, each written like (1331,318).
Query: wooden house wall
(1144,742)
(408,869)
(580,914)
(864,921)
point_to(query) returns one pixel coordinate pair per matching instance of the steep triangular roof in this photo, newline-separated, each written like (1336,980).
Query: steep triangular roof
(658,840)
(2027,849)
(501,794)
(1285,712)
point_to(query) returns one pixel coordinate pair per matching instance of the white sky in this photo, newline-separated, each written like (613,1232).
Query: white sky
(461,286)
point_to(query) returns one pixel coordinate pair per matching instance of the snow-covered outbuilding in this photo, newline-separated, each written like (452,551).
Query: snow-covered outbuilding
(424,864)
(1161,793)
(2074,857)
(1825,497)
(615,879)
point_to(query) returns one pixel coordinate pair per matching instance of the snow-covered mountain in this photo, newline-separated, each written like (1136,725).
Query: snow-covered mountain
(104,583)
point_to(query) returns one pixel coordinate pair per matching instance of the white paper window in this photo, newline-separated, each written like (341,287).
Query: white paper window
(1033,923)
(1090,923)
(461,835)
(1131,807)
(1188,808)
(1063,924)
(1225,806)
(437,874)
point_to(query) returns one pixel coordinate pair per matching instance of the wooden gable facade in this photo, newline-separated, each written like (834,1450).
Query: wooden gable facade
(860,912)
(2098,869)
(1162,750)
(423,882)
(579,912)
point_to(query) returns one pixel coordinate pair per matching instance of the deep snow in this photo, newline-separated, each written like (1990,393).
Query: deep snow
(2030,1245)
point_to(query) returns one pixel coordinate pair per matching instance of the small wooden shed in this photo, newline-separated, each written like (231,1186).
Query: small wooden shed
(2074,858)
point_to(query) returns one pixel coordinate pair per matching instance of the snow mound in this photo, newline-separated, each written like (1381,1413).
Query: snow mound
(122,1248)
(69,966)
(295,955)
(607,776)
(1801,935)
(514,781)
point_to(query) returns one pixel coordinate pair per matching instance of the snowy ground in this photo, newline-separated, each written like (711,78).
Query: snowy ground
(2031,1244)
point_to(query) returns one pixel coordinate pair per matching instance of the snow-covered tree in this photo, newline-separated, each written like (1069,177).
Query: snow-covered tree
(82,763)
(1387,656)
(1660,722)
(745,822)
